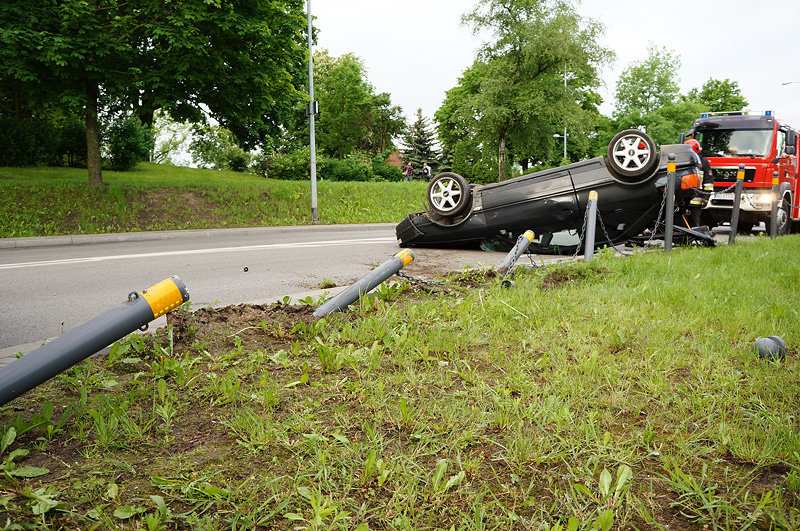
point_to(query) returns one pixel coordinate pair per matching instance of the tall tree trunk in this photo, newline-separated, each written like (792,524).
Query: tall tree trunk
(93,161)
(501,158)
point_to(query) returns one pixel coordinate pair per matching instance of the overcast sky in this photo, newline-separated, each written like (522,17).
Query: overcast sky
(416,49)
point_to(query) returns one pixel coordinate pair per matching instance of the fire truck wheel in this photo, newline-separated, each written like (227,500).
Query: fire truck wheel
(784,219)
(632,154)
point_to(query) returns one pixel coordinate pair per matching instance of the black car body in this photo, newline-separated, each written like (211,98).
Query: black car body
(555,200)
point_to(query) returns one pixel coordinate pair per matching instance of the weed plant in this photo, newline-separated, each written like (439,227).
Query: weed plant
(622,393)
(52,201)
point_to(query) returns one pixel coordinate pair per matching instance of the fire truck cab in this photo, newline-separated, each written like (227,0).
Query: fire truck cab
(764,145)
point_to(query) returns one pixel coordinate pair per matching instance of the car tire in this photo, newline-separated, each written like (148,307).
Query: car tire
(632,154)
(448,194)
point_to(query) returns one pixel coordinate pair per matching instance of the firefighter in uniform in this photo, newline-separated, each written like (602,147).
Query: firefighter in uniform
(707,176)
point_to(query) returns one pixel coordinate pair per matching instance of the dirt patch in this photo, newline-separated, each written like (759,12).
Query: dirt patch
(561,277)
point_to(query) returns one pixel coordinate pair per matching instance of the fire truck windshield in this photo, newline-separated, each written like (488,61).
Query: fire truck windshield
(735,143)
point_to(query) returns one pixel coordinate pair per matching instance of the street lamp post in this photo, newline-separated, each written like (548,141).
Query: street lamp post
(311,110)
(564,136)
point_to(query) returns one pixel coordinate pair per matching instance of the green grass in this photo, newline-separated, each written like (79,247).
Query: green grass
(45,201)
(621,393)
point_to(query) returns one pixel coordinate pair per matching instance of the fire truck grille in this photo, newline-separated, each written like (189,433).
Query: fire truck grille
(729,174)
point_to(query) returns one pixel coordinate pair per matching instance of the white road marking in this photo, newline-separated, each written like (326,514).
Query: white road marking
(296,245)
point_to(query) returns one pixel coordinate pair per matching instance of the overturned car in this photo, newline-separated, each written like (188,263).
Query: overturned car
(630,183)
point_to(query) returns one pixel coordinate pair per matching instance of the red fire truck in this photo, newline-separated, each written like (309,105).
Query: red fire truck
(764,145)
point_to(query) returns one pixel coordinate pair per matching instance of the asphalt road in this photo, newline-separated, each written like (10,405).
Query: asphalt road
(51,285)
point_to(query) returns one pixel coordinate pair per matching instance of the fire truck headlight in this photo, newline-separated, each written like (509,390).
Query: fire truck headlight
(761,200)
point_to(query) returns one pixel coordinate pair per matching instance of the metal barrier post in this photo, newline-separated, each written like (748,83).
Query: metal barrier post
(370,281)
(737,198)
(773,216)
(669,209)
(591,224)
(513,255)
(38,366)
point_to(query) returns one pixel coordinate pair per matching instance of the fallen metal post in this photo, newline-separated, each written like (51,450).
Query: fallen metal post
(773,216)
(737,199)
(513,255)
(591,224)
(366,284)
(669,208)
(38,366)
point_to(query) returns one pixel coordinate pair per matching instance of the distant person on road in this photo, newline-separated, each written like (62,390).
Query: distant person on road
(706,176)
(408,172)
(426,172)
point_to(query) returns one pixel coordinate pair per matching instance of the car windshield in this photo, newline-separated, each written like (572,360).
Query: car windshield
(735,143)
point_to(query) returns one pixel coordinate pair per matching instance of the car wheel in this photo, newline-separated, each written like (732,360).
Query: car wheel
(448,194)
(632,153)
(784,220)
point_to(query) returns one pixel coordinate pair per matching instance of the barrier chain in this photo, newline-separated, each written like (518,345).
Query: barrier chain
(420,281)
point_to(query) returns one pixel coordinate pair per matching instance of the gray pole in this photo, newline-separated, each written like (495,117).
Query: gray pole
(591,223)
(513,255)
(35,368)
(737,199)
(565,125)
(669,209)
(312,111)
(366,284)
(773,217)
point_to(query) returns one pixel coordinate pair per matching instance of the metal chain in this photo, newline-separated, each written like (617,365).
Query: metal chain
(420,281)
(658,219)
(583,233)
(603,226)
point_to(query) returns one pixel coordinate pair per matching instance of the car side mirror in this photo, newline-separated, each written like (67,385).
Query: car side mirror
(791,150)
(776,161)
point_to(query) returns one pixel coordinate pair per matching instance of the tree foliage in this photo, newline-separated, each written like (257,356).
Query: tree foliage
(513,99)
(719,95)
(649,84)
(240,60)
(352,117)
(419,139)
(648,98)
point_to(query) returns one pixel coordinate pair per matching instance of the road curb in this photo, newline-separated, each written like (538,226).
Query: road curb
(89,239)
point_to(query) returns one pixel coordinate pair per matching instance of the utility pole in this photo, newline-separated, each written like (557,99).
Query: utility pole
(311,110)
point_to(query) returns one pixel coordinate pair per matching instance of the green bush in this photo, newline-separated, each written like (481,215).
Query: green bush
(27,142)
(294,166)
(128,142)
(291,166)
(72,142)
(354,167)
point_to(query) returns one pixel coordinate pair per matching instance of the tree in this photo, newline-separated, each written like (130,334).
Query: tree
(514,94)
(240,60)
(419,140)
(648,85)
(352,117)
(213,146)
(719,95)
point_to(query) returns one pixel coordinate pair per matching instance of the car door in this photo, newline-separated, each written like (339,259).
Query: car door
(543,202)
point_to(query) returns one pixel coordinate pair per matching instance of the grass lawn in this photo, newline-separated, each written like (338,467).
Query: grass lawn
(42,201)
(623,393)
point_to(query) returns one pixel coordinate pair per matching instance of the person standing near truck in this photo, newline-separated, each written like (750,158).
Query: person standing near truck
(707,176)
